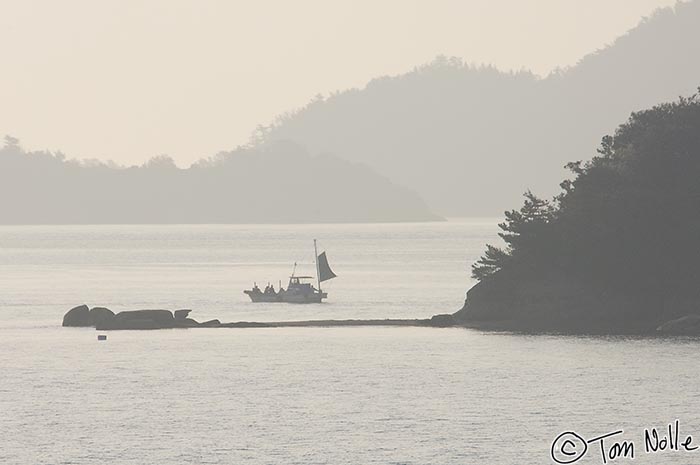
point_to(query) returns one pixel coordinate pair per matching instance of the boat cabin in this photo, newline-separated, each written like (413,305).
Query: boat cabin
(300,283)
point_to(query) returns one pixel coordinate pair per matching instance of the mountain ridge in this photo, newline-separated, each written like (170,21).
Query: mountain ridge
(454,131)
(282,184)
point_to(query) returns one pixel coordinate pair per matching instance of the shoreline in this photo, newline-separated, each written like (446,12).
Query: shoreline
(103,319)
(426,322)
(509,327)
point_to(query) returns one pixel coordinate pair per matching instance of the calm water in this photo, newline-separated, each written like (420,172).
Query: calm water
(302,395)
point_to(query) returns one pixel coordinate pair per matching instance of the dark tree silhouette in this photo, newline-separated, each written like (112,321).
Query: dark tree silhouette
(523,232)
(618,248)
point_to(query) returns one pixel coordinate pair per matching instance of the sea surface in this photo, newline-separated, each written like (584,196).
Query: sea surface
(350,395)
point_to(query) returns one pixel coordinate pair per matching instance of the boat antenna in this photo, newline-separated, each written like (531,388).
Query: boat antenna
(295,269)
(318,272)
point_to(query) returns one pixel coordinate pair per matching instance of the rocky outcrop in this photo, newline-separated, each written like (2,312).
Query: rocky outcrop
(164,319)
(210,324)
(82,316)
(186,323)
(131,323)
(139,319)
(443,321)
(104,319)
(78,316)
(181,314)
(516,301)
(99,315)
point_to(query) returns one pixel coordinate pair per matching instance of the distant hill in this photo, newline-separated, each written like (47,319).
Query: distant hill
(472,139)
(279,184)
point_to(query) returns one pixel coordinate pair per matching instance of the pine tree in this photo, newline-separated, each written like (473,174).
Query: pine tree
(524,232)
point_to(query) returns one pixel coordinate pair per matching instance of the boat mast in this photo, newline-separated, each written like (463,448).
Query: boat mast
(318,272)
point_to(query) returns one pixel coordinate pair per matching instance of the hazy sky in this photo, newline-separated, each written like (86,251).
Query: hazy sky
(127,80)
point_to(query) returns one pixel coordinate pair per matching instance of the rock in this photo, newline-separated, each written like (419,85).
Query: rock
(163,317)
(82,316)
(181,314)
(99,314)
(688,325)
(78,316)
(210,324)
(105,324)
(138,319)
(186,323)
(131,323)
(517,300)
(443,321)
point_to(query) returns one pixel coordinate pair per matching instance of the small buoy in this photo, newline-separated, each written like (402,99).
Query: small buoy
(101,337)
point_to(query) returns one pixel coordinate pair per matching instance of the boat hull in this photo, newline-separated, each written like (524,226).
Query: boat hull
(261,297)
(287,297)
(310,298)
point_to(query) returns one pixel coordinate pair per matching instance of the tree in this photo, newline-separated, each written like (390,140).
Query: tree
(493,260)
(524,233)
(629,218)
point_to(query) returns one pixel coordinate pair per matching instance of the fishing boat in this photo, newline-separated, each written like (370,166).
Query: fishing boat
(300,289)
